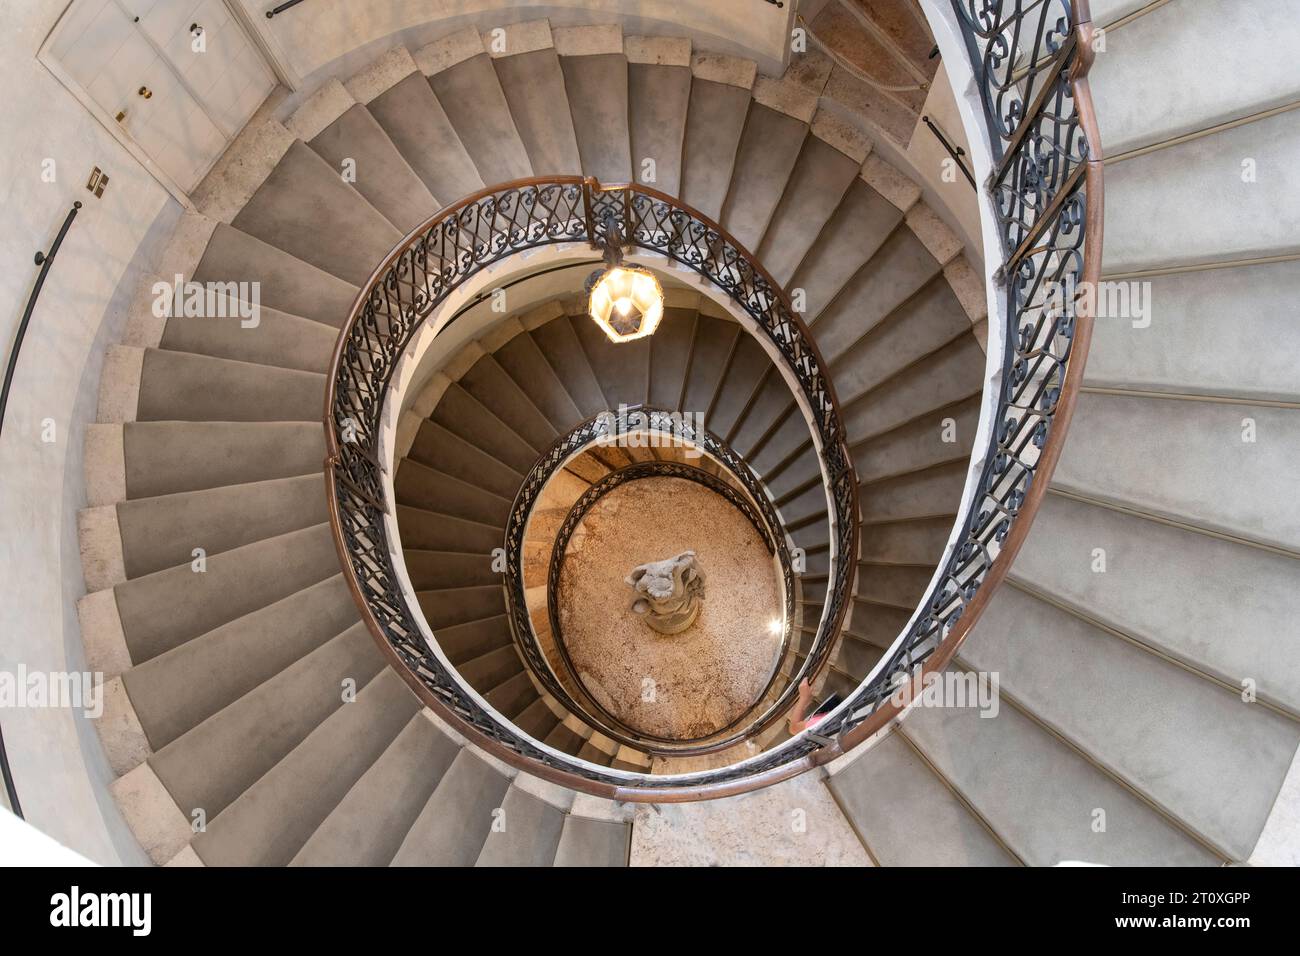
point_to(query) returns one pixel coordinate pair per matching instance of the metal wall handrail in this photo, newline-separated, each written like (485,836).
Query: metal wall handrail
(45,260)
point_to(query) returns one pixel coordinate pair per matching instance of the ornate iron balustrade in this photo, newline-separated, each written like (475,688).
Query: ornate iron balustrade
(754,504)
(1031,59)
(415,279)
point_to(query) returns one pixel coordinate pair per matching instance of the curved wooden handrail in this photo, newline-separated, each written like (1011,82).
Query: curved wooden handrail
(895,706)
(1040,203)
(711,246)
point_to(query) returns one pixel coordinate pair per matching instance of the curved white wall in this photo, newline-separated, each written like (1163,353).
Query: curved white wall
(50,144)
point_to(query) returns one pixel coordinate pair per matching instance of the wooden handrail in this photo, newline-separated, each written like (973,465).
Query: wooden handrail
(1014,506)
(806,362)
(1085,109)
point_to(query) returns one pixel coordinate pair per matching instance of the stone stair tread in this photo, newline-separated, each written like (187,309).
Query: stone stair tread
(768,152)
(162,532)
(1187,461)
(370,822)
(1040,796)
(930,828)
(658,98)
(586,841)
(298,208)
(1215,762)
(164,457)
(453,825)
(275,817)
(418,126)
(473,101)
(1165,52)
(598,82)
(533,84)
(527,834)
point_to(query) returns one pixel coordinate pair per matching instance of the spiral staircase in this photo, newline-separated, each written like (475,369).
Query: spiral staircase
(253,719)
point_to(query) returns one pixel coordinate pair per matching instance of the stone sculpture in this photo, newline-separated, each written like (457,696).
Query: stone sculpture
(669,592)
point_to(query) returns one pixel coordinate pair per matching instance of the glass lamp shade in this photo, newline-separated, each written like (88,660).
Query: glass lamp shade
(626,301)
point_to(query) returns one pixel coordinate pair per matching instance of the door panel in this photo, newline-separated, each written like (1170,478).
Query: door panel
(199,95)
(224,71)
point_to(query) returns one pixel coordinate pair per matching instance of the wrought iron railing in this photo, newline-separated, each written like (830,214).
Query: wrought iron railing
(1030,59)
(414,280)
(754,504)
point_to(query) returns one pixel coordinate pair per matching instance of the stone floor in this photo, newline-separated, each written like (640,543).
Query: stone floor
(686,685)
(795,823)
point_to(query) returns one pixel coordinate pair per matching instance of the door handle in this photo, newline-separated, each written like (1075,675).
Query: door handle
(145,92)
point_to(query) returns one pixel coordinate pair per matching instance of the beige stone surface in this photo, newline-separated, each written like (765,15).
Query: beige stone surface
(933,232)
(500,334)
(105,464)
(242,169)
(1279,841)
(795,823)
(447,51)
(559,797)
(539,316)
(125,744)
(890,183)
(844,136)
(101,547)
(320,110)
(408,426)
(788,98)
(144,328)
(877,109)
(430,395)
(675,297)
(588,40)
(463,361)
(705,677)
(660,51)
(102,634)
(382,75)
(730,70)
(187,857)
(455,735)
(516,38)
(598,808)
(119,384)
(809,71)
(160,827)
(189,241)
(968,287)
